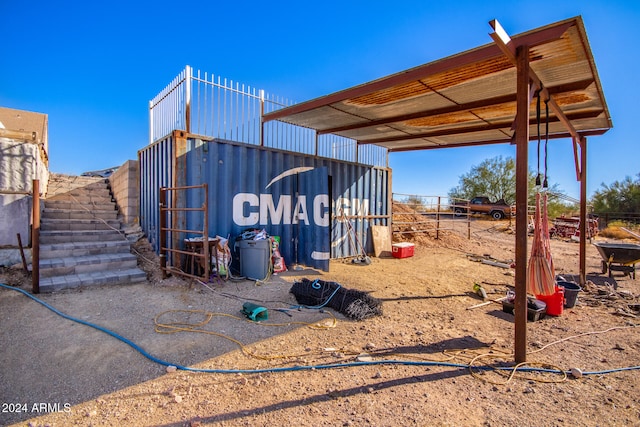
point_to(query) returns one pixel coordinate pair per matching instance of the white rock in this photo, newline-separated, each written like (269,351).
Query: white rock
(575,372)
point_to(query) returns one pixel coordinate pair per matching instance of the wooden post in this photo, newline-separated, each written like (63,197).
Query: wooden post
(469,223)
(522,173)
(438,220)
(25,267)
(583,211)
(35,239)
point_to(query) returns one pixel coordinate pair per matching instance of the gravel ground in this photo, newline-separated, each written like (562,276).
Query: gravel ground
(426,324)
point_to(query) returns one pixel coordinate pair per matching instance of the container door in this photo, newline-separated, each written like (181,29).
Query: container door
(312,219)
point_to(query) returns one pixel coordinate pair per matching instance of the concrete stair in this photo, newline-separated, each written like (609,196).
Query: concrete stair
(81,241)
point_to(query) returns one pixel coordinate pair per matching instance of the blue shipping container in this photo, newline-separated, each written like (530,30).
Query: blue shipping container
(304,199)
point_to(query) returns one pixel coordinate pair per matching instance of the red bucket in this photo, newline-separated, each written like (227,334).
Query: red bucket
(555,302)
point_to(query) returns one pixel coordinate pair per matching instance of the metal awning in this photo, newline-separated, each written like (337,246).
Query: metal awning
(466,99)
(482,96)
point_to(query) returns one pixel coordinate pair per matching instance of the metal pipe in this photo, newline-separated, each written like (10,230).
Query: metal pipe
(583,211)
(522,172)
(150,122)
(438,220)
(35,239)
(180,230)
(187,109)
(205,237)
(163,237)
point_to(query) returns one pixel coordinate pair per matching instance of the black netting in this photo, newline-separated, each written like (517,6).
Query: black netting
(354,304)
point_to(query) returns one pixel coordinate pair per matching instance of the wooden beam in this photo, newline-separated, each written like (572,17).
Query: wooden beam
(503,40)
(421,114)
(476,128)
(576,157)
(583,211)
(505,140)
(522,196)
(498,100)
(21,135)
(505,44)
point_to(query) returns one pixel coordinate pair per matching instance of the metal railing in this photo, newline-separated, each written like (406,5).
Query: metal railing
(172,234)
(208,105)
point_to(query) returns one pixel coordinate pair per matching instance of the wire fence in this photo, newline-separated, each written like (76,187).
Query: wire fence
(625,218)
(415,214)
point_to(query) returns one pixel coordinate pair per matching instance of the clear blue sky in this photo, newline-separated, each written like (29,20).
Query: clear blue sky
(93,67)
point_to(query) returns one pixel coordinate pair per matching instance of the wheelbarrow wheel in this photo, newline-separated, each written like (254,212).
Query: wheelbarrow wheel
(605,267)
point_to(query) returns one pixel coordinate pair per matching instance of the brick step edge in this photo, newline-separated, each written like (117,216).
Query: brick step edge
(72,281)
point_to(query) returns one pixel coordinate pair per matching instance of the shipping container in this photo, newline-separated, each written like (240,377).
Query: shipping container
(304,199)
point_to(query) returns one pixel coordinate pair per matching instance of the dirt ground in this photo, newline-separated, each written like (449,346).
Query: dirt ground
(408,366)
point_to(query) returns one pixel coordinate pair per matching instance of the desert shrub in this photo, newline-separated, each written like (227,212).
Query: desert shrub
(614,230)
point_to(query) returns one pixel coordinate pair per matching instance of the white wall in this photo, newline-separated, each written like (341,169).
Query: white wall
(20,163)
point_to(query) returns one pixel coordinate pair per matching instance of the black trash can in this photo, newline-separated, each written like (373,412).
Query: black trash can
(571,290)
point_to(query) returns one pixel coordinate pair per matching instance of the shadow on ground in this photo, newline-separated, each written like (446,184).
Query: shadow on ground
(47,358)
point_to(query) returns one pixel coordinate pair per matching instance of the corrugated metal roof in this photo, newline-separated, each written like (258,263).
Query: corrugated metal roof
(465,99)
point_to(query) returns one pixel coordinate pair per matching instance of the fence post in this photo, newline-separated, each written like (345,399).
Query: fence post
(261,117)
(150,122)
(438,220)
(35,239)
(468,220)
(187,109)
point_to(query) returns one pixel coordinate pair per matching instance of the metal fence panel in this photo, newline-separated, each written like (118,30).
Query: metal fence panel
(211,106)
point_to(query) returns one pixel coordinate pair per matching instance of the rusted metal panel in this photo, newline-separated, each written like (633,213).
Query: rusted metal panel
(448,102)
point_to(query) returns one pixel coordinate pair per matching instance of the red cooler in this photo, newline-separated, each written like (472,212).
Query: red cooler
(402,250)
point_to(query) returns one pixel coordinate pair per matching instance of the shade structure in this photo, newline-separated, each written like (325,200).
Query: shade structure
(465,99)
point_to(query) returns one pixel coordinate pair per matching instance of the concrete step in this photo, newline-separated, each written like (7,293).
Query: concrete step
(73,249)
(89,198)
(86,264)
(61,188)
(72,205)
(52,213)
(112,277)
(80,241)
(60,181)
(48,224)
(50,237)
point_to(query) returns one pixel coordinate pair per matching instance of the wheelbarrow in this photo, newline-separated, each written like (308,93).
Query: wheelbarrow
(619,257)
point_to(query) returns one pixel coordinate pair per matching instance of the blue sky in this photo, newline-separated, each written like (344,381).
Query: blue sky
(94,66)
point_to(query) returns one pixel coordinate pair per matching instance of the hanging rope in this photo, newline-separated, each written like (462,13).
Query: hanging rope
(541,271)
(546,238)
(541,279)
(538,126)
(546,144)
